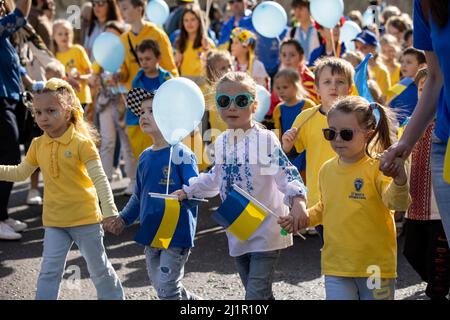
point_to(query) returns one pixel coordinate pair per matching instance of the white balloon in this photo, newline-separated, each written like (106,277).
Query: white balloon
(157,11)
(263,99)
(269,19)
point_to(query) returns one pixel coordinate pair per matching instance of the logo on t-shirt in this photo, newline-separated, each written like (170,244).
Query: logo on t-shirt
(358,195)
(165,172)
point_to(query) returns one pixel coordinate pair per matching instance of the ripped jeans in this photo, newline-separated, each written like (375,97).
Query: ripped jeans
(165,268)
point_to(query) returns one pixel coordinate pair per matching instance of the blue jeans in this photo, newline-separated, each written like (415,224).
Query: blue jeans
(89,239)
(440,187)
(256,270)
(166,269)
(347,288)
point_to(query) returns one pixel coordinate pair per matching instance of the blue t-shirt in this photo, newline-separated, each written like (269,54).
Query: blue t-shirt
(322,52)
(150,84)
(428,36)
(151,176)
(288,115)
(10,69)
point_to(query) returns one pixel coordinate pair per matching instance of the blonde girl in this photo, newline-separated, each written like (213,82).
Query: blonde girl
(355,203)
(74,183)
(74,58)
(239,160)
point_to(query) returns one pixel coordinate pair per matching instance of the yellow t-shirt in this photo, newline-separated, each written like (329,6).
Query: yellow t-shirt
(192,65)
(381,75)
(130,66)
(276,115)
(76,57)
(215,121)
(70,198)
(355,210)
(318,150)
(395,75)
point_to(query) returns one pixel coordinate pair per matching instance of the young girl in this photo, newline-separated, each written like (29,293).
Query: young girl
(288,87)
(74,58)
(359,258)
(74,182)
(243,43)
(218,63)
(264,172)
(390,49)
(192,45)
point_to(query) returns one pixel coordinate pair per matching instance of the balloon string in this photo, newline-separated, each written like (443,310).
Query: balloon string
(168,171)
(332,42)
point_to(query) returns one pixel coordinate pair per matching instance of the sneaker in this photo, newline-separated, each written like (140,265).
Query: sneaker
(8,233)
(129,190)
(117,174)
(312,231)
(16,225)
(34,198)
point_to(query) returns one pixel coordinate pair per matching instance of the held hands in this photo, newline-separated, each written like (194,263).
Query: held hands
(180,194)
(288,139)
(114,225)
(394,167)
(297,218)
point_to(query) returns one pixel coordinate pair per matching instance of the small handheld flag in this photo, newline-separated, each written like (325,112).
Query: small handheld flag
(362,88)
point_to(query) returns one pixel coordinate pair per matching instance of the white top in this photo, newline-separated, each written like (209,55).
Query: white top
(259,73)
(255,162)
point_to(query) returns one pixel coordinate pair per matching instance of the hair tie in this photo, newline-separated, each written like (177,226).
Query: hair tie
(373,106)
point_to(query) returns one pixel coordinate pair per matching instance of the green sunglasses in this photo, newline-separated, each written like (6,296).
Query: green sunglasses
(241,100)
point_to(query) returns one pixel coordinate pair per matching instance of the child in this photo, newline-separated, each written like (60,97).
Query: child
(354,57)
(165,266)
(403,96)
(74,58)
(288,87)
(333,79)
(390,50)
(74,183)
(264,173)
(359,258)
(426,247)
(218,63)
(367,42)
(330,38)
(110,108)
(242,49)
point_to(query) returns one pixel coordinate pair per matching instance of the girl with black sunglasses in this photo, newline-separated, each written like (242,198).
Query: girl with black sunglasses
(359,257)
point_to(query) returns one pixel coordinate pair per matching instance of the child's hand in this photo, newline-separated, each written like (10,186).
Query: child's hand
(180,194)
(300,218)
(288,139)
(114,224)
(397,171)
(286,223)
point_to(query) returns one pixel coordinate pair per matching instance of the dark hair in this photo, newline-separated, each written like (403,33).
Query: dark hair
(439,11)
(150,44)
(295,43)
(382,137)
(300,3)
(408,33)
(419,54)
(181,42)
(137,4)
(112,14)
(337,65)
(116,25)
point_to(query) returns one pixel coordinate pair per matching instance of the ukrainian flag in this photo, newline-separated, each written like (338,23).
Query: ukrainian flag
(362,89)
(403,97)
(160,225)
(240,214)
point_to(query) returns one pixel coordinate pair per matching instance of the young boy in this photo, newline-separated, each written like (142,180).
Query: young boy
(165,266)
(403,95)
(333,79)
(149,77)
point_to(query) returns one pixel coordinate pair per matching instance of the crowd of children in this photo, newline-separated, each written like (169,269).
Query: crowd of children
(326,152)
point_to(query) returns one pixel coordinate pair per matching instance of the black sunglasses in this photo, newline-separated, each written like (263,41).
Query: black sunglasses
(346,134)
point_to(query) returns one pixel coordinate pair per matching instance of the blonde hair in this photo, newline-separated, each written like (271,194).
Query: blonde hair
(376,92)
(68,100)
(241,78)
(65,24)
(293,77)
(214,56)
(56,68)
(384,134)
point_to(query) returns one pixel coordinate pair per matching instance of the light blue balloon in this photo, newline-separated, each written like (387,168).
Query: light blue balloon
(263,98)
(109,51)
(349,31)
(157,11)
(178,108)
(327,13)
(269,19)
